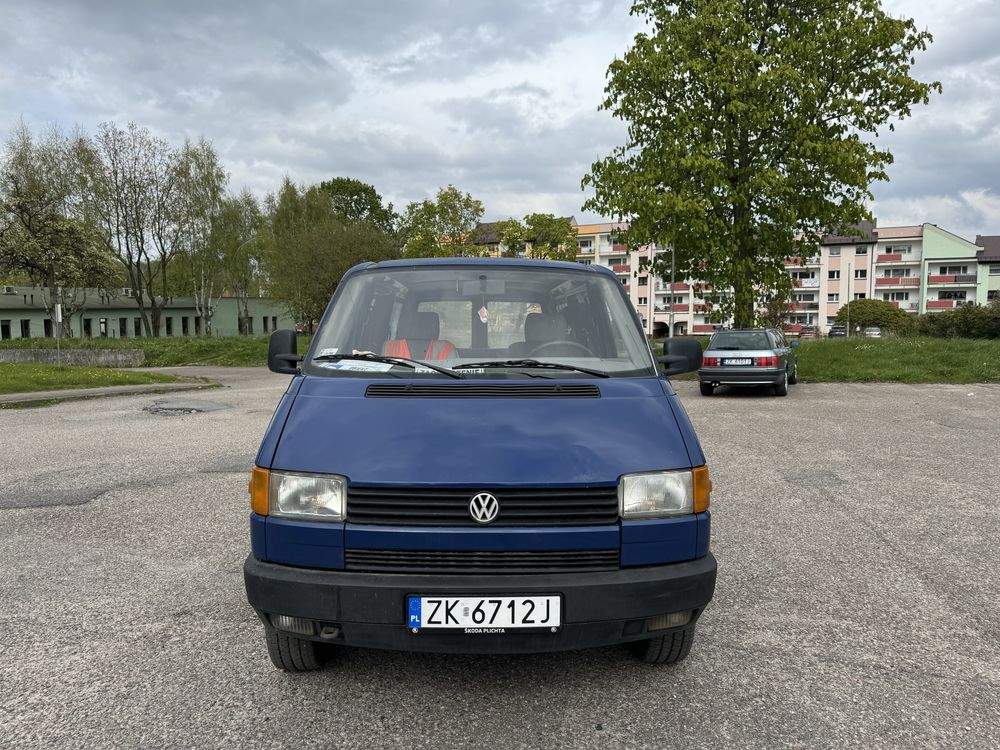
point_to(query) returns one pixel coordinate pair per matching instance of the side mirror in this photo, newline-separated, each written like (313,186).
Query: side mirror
(794,343)
(680,355)
(282,356)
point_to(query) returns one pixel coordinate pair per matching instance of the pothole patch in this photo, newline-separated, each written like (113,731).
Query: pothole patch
(175,407)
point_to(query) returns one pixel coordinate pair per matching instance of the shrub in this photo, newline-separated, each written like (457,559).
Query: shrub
(875,312)
(968,321)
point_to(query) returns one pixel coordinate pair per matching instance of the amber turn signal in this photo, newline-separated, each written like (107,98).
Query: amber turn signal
(258,490)
(702,488)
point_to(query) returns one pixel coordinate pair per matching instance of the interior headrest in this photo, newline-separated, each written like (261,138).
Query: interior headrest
(542,327)
(421,325)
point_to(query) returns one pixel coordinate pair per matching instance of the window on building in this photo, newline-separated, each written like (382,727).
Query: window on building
(185,331)
(137,326)
(861,273)
(994,269)
(896,273)
(274,322)
(896,296)
(951,295)
(587,262)
(643,281)
(859,295)
(833,275)
(122,328)
(833,298)
(170,326)
(830,320)
(898,248)
(993,294)
(834,252)
(4,329)
(197,325)
(47,327)
(953,270)
(266,322)
(643,300)
(25,329)
(87,330)
(102,326)
(861,251)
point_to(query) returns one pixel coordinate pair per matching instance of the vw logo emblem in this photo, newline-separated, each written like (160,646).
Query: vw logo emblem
(484,508)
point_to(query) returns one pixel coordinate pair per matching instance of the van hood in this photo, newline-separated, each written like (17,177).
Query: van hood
(333,427)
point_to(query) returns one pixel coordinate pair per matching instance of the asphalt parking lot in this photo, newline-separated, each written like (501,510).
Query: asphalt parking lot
(858,604)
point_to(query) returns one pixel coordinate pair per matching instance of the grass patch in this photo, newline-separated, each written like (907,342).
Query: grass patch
(899,360)
(30,378)
(891,360)
(227,351)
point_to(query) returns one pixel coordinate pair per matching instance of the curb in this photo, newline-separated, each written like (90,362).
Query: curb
(47,398)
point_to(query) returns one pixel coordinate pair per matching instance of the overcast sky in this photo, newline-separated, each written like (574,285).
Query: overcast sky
(497,98)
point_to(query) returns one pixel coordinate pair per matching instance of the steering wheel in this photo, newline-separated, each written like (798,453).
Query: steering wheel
(550,344)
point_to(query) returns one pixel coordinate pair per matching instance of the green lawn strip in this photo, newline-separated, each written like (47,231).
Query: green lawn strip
(30,378)
(227,351)
(893,360)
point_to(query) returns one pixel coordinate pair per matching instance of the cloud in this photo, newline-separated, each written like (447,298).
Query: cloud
(497,97)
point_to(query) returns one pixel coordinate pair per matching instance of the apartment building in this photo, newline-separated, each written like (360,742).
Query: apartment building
(920,268)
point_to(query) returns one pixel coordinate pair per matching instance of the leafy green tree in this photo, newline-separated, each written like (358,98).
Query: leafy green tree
(354,201)
(513,237)
(444,227)
(879,313)
(43,237)
(551,237)
(752,129)
(307,246)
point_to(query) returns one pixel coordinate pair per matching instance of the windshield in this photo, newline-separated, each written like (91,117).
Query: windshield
(481,320)
(740,340)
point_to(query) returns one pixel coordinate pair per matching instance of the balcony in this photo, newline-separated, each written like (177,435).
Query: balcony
(904,305)
(800,306)
(703,307)
(619,249)
(897,281)
(793,261)
(940,304)
(681,308)
(621,269)
(703,328)
(962,278)
(805,283)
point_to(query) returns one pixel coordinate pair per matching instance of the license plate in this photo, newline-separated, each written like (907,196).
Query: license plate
(741,361)
(484,614)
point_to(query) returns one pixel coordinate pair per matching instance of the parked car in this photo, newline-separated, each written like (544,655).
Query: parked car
(837,332)
(431,481)
(873,332)
(808,332)
(758,356)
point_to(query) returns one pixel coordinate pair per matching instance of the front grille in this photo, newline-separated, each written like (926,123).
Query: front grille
(469,563)
(482,390)
(588,506)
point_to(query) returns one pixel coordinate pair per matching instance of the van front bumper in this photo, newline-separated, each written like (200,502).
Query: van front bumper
(369,609)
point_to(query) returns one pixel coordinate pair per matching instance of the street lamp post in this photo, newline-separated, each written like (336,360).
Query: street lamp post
(670,332)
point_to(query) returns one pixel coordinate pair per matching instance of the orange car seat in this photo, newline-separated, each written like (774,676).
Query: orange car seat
(418,339)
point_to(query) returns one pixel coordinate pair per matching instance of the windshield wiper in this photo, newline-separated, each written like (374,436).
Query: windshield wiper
(524,363)
(402,361)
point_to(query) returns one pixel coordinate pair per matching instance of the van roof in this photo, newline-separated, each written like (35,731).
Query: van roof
(513,262)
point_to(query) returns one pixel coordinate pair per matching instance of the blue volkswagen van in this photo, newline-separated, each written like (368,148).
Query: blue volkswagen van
(479,456)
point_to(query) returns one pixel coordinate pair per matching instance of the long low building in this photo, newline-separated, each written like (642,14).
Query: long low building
(23,314)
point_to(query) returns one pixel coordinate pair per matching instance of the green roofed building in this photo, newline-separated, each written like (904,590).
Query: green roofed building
(114,314)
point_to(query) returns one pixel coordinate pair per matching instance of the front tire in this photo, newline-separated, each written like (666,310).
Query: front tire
(293,654)
(781,389)
(706,389)
(666,649)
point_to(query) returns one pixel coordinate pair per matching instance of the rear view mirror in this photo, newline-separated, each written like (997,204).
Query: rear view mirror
(282,353)
(680,355)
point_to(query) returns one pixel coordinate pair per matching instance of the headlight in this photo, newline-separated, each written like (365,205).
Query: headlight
(317,497)
(656,494)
